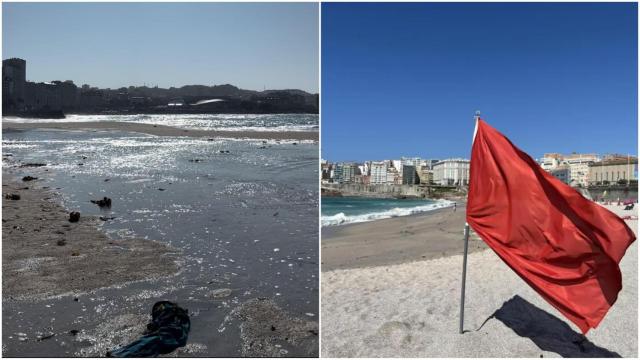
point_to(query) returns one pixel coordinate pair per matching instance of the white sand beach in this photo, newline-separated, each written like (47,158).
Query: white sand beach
(411,310)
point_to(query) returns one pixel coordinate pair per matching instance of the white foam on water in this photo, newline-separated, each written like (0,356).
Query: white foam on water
(342,219)
(222,122)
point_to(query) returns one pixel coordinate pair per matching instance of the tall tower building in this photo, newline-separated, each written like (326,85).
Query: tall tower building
(14,78)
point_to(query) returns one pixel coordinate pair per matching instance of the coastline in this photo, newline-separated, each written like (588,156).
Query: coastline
(161,130)
(429,235)
(44,255)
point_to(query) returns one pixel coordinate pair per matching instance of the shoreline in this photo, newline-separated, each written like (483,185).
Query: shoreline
(403,239)
(44,255)
(161,130)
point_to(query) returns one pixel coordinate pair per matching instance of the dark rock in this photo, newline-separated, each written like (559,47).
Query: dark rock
(74,332)
(62,242)
(45,337)
(105,180)
(105,218)
(32,165)
(161,189)
(29,178)
(12,197)
(74,216)
(104,202)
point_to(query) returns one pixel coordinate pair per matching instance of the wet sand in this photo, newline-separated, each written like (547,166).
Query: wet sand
(412,310)
(430,235)
(45,255)
(162,130)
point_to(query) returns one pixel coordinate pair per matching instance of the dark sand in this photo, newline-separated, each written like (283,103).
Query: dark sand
(269,331)
(162,130)
(397,240)
(44,255)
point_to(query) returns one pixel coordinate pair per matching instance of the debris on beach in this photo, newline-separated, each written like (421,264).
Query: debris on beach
(74,216)
(167,331)
(105,218)
(219,293)
(12,197)
(267,331)
(32,165)
(29,178)
(104,202)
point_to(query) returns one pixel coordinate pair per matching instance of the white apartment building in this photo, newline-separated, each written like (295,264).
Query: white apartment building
(577,172)
(451,172)
(378,172)
(579,167)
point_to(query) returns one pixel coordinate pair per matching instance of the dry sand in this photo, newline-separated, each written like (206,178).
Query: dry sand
(411,310)
(43,254)
(162,130)
(397,240)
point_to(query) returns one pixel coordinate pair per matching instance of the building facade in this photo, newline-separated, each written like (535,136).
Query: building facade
(562,173)
(409,175)
(451,172)
(345,173)
(617,171)
(14,80)
(378,172)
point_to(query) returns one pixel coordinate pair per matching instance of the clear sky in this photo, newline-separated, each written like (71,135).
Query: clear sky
(406,79)
(249,45)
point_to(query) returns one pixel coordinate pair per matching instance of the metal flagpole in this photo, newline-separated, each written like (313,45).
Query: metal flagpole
(466,250)
(464,275)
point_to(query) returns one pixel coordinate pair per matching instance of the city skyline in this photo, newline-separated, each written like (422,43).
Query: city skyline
(408,79)
(252,46)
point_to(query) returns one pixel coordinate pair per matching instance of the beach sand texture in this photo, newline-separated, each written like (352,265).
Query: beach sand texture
(161,130)
(397,240)
(411,310)
(43,254)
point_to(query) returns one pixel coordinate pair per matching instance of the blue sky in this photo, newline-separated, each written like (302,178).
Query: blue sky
(406,79)
(166,44)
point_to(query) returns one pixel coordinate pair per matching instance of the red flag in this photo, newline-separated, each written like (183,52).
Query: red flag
(563,245)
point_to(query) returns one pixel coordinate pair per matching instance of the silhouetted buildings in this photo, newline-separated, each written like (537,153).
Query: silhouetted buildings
(21,97)
(14,75)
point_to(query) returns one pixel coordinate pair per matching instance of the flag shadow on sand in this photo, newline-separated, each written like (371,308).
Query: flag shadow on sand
(547,331)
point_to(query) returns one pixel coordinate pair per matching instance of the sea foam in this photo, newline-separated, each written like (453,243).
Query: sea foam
(341,218)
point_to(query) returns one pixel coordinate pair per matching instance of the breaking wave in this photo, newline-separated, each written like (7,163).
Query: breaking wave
(342,219)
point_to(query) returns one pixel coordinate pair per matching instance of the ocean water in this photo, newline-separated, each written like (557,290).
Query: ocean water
(347,210)
(245,220)
(222,122)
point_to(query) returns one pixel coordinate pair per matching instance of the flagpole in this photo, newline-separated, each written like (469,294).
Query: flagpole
(464,275)
(466,248)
